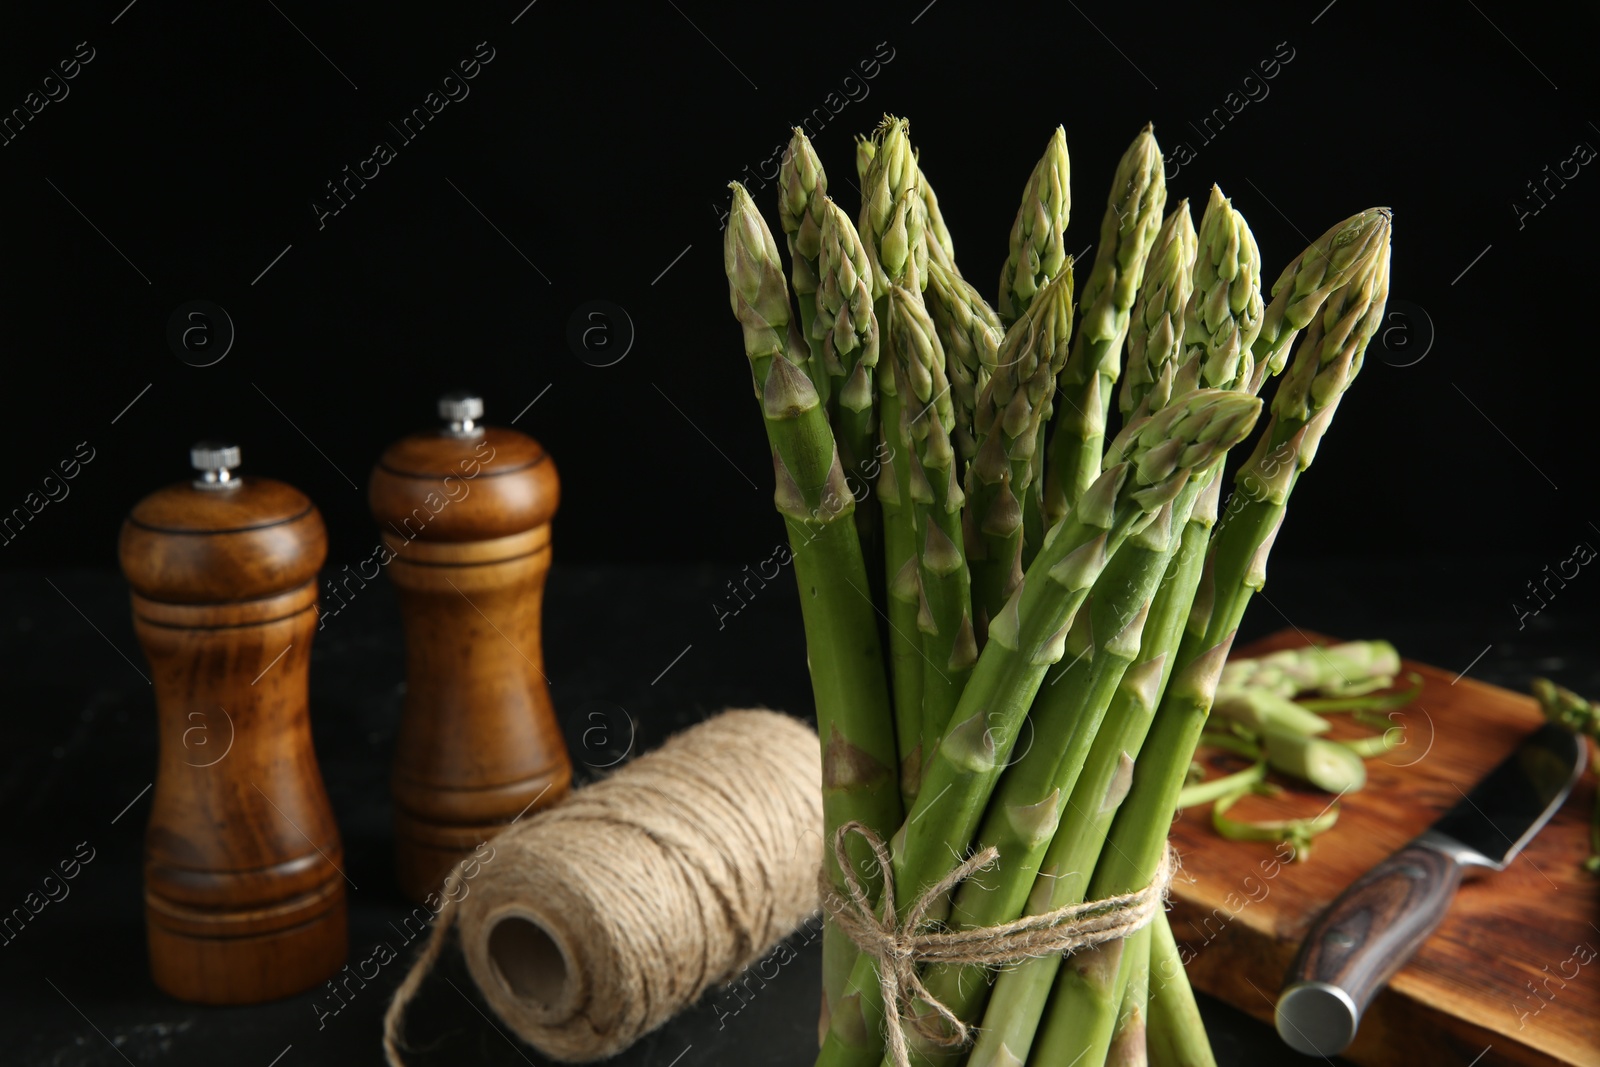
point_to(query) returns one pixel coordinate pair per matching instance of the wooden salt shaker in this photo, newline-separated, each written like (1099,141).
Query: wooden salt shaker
(244,899)
(465,515)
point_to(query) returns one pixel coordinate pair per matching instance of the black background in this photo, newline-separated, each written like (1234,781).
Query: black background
(598,143)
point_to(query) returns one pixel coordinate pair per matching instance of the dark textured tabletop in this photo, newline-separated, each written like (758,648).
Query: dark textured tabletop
(632,654)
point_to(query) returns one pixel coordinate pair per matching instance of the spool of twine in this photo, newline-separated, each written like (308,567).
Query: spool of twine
(596,921)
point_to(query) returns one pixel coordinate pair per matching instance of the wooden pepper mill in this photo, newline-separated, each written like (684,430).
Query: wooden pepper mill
(244,899)
(465,514)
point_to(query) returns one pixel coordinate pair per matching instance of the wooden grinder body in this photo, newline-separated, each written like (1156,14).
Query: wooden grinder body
(244,899)
(465,520)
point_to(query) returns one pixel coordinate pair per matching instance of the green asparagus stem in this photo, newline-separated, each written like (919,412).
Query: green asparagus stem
(1328,360)
(1037,251)
(944,615)
(971,334)
(1176,1034)
(802,188)
(1159,456)
(1155,329)
(1128,1041)
(1127,232)
(903,581)
(843,652)
(1088,1021)
(1010,410)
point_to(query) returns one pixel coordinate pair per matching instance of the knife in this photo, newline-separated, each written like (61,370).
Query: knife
(1377,924)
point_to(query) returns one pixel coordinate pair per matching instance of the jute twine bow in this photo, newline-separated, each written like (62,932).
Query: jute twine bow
(901,946)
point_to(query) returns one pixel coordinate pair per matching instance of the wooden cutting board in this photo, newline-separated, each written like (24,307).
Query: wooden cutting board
(1513,974)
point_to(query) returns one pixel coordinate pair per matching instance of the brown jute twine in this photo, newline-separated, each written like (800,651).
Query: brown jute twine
(599,919)
(900,946)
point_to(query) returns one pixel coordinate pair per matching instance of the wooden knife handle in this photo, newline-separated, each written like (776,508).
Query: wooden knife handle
(1359,942)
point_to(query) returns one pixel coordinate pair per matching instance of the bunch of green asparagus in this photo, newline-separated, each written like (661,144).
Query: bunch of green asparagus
(1016,619)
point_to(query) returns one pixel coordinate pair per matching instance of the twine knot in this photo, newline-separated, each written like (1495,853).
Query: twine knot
(901,946)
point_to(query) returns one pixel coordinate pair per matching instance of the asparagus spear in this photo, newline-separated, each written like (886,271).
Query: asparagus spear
(1037,251)
(1160,454)
(1328,360)
(1129,1046)
(843,653)
(1127,231)
(1155,330)
(970,332)
(1176,1034)
(1010,410)
(802,188)
(850,332)
(892,230)
(945,612)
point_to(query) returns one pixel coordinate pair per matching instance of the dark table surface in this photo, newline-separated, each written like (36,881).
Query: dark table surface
(633,654)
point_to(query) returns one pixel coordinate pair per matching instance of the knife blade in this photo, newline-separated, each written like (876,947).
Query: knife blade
(1378,923)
